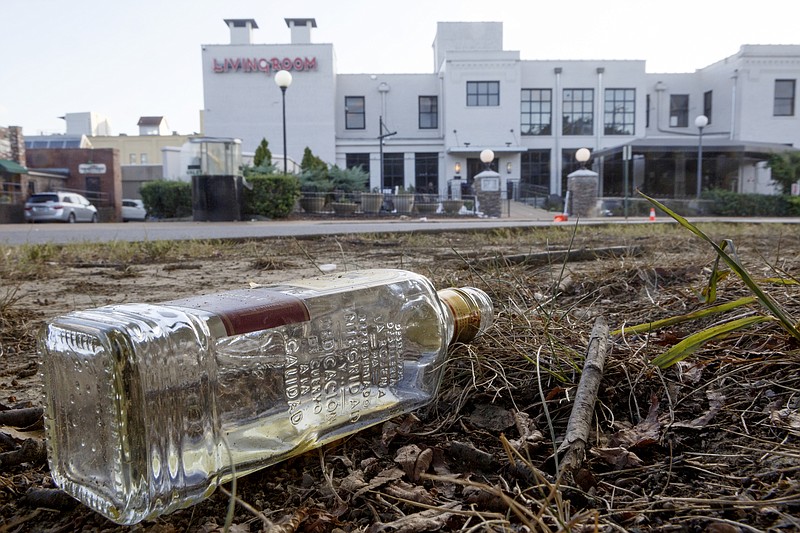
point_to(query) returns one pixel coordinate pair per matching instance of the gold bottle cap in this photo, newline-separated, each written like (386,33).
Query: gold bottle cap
(472,311)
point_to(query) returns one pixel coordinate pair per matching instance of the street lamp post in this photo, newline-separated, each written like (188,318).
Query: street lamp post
(701,122)
(283,78)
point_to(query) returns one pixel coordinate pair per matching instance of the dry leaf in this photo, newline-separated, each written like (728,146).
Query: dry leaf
(407,491)
(491,417)
(646,432)
(619,458)
(413,460)
(428,520)
(386,476)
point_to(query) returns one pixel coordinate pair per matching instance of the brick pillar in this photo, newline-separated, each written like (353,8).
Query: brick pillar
(17,141)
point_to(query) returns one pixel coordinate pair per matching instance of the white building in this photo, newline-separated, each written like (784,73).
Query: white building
(534,114)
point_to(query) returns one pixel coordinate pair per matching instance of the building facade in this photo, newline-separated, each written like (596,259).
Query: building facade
(427,130)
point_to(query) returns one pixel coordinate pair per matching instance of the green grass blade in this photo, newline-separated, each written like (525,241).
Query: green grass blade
(780,281)
(766,300)
(658,324)
(690,344)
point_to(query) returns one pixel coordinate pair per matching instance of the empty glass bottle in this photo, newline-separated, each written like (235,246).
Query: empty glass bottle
(148,407)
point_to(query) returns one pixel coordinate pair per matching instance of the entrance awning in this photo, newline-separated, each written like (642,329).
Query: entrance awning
(478,149)
(12,167)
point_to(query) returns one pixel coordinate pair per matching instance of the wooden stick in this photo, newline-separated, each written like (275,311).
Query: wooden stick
(24,417)
(559,256)
(580,420)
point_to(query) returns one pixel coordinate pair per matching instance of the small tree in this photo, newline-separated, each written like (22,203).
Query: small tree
(314,173)
(312,163)
(785,169)
(262,157)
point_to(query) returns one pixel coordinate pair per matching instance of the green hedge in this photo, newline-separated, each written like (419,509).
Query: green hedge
(727,203)
(272,195)
(167,199)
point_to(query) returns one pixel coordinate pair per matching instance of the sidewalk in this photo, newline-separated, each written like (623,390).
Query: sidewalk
(521,211)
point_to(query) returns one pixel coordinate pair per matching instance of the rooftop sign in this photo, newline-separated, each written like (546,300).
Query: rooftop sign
(262,64)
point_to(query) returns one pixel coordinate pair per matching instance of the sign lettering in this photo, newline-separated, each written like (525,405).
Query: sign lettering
(262,64)
(92,168)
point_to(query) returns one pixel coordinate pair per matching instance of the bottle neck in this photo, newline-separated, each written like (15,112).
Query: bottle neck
(471,309)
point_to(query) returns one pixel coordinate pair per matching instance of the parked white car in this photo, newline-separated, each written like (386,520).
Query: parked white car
(133,210)
(59,207)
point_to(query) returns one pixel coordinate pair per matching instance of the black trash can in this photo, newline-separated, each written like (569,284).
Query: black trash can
(216,198)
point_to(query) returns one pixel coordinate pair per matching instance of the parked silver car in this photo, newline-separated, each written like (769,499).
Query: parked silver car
(59,207)
(133,210)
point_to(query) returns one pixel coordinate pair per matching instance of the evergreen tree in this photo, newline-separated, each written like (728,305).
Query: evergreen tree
(312,163)
(262,157)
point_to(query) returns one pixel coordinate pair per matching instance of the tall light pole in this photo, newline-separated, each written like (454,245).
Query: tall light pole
(283,78)
(701,122)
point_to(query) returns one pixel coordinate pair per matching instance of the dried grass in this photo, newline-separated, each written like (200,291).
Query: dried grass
(710,444)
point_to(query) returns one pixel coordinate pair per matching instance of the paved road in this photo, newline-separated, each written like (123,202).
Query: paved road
(151,231)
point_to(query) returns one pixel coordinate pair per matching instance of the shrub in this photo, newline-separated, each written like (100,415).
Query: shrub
(272,195)
(315,181)
(349,180)
(794,206)
(167,199)
(728,203)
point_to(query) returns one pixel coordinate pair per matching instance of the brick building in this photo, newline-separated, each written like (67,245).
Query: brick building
(92,172)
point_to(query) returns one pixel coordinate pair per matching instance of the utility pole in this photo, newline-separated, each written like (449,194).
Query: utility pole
(383,133)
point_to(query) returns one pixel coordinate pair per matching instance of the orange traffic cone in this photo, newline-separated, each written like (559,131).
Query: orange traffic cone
(563,217)
(652,214)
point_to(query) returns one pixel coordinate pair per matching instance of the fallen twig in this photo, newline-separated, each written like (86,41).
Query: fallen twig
(559,256)
(580,420)
(31,451)
(21,418)
(49,499)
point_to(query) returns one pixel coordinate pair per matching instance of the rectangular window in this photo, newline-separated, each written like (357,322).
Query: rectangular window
(784,98)
(393,171)
(483,93)
(354,113)
(578,113)
(619,116)
(426,172)
(132,159)
(535,173)
(357,160)
(428,112)
(678,110)
(707,105)
(536,112)
(143,158)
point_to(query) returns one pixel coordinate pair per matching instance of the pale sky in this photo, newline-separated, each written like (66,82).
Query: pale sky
(129,58)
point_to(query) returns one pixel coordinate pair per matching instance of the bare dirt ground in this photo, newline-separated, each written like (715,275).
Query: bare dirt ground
(709,445)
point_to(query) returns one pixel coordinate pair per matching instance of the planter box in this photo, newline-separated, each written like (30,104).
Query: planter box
(313,204)
(452,207)
(403,203)
(427,208)
(344,208)
(371,202)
